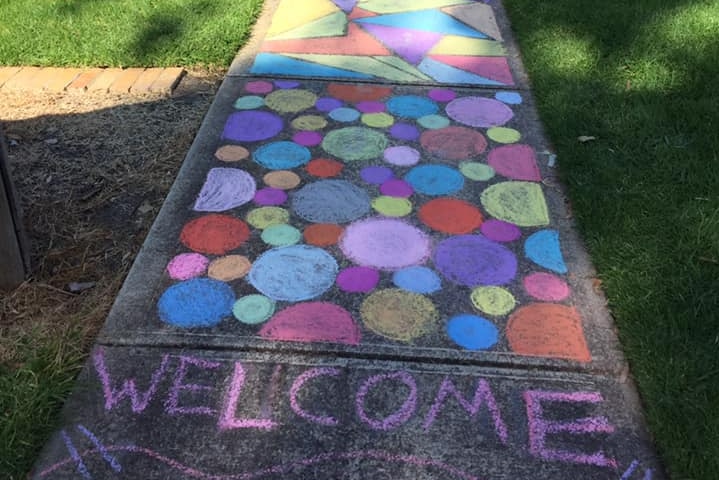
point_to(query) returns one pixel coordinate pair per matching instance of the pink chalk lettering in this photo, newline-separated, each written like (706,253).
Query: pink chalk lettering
(114,396)
(482,395)
(178,385)
(539,427)
(228,417)
(401,415)
(299,383)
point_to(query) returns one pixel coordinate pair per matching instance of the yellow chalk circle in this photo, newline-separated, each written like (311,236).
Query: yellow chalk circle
(290,101)
(264,217)
(398,315)
(493,300)
(392,206)
(504,135)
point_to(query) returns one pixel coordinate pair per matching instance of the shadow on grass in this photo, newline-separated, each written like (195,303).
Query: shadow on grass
(641,77)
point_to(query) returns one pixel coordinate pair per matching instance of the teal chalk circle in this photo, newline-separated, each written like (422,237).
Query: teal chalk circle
(282,155)
(249,102)
(253,309)
(411,106)
(200,302)
(435,179)
(433,122)
(294,273)
(281,235)
(543,249)
(344,114)
(352,144)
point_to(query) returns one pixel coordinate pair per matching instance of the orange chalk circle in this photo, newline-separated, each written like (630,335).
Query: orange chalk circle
(322,234)
(231,153)
(548,330)
(324,168)
(282,179)
(228,268)
(216,234)
(450,215)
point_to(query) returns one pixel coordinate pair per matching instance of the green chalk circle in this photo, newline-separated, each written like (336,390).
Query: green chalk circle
(253,309)
(476,171)
(281,235)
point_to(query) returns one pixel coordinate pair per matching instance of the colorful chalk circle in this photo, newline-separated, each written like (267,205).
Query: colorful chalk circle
(517,162)
(392,206)
(331,201)
(411,106)
(286,84)
(546,287)
(371,106)
(520,203)
(253,309)
(512,98)
(294,273)
(395,187)
(322,234)
(199,302)
(402,156)
(270,196)
(307,138)
(493,300)
(442,95)
(309,122)
(252,126)
(214,234)
(453,143)
(281,235)
(282,155)
(355,143)
(231,153)
(417,279)
(398,315)
(450,215)
(435,179)
(404,131)
(377,120)
(385,243)
(543,248)
(433,122)
(312,322)
(290,101)
(358,279)
(376,175)
(258,87)
(282,179)
(472,332)
(479,172)
(229,267)
(327,104)
(187,265)
(344,114)
(324,168)
(224,189)
(504,135)
(248,102)
(473,260)
(264,217)
(479,112)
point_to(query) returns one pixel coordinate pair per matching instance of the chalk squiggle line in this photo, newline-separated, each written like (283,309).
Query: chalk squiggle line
(277,469)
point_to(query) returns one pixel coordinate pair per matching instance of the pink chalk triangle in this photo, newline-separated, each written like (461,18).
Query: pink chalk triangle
(516,161)
(493,68)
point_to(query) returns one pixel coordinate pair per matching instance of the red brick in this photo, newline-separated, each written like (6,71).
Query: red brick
(145,80)
(84,79)
(56,79)
(24,80)
(125,80)
(168,80)
(103,81)
(6,73)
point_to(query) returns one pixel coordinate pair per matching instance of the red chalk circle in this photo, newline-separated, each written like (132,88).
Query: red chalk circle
(450,215)
(214,234)
(324,168)
(453,143)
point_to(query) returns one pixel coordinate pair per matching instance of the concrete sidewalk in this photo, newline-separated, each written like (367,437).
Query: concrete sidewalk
(365,268)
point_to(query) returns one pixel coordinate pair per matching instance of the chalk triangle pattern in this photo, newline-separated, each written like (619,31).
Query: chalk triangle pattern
(493,68)
(479,16)
(359,64)
(447,74)
(333,25)
(425,20)
(345,5)
(394,6)
(272,64)
(411,45)
(288,16)
(356,42)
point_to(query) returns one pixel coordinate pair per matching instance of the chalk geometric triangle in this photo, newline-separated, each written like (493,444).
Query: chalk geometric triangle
(494,68)
(345,5)
(288,16)
(426,20)
(456,45)
(447,74)
(356,42)
(333,25)
(360,13)
(479,16)
(412,45)
(393,6)
(359,64)
(269,63)
(404,66)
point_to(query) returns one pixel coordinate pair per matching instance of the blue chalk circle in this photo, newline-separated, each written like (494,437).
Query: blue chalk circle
(512,98)
(543,249)
(472,332)
(249,102)
(331,201)
(411,106)
(344,114)
(294,273)
(435,179)
(417,280)
(200,302)
(282,155)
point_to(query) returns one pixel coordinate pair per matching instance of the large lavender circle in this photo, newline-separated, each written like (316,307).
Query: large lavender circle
(472,260)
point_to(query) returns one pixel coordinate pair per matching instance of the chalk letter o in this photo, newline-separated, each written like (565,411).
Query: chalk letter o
(401,415)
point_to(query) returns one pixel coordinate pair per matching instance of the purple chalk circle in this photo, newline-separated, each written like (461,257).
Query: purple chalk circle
(270,196)
(376,175)
(358,279)
(285,84)
(396,188)
(442,95)
(404,131)
(187,265)
(327,104)
(402,156)
(259,87)
(370,106)
(252,126)
(225,188)
(500,231)
(473,260)
(479,112)
(307,138)
(384,243)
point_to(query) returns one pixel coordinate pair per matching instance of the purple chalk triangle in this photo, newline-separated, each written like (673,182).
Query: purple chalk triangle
(345,5)
(412,45)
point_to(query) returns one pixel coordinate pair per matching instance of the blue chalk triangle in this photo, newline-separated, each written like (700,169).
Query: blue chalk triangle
(448,74)
(270,63)
(425,20)
(543,249)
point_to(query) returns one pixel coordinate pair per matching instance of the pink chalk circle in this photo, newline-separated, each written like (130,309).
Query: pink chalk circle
(396,188)
(384,243)
(270,196)
(187,265)
(546,287)
(500,231)
(442,95)
(479,112)
(518,162)
(370,106)
(358,279)
(259,87)
(307,138)
(404,131)
(312,322)
(402,156)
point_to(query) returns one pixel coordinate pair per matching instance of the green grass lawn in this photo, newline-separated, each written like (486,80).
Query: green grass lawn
(642,76)
(123,33)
